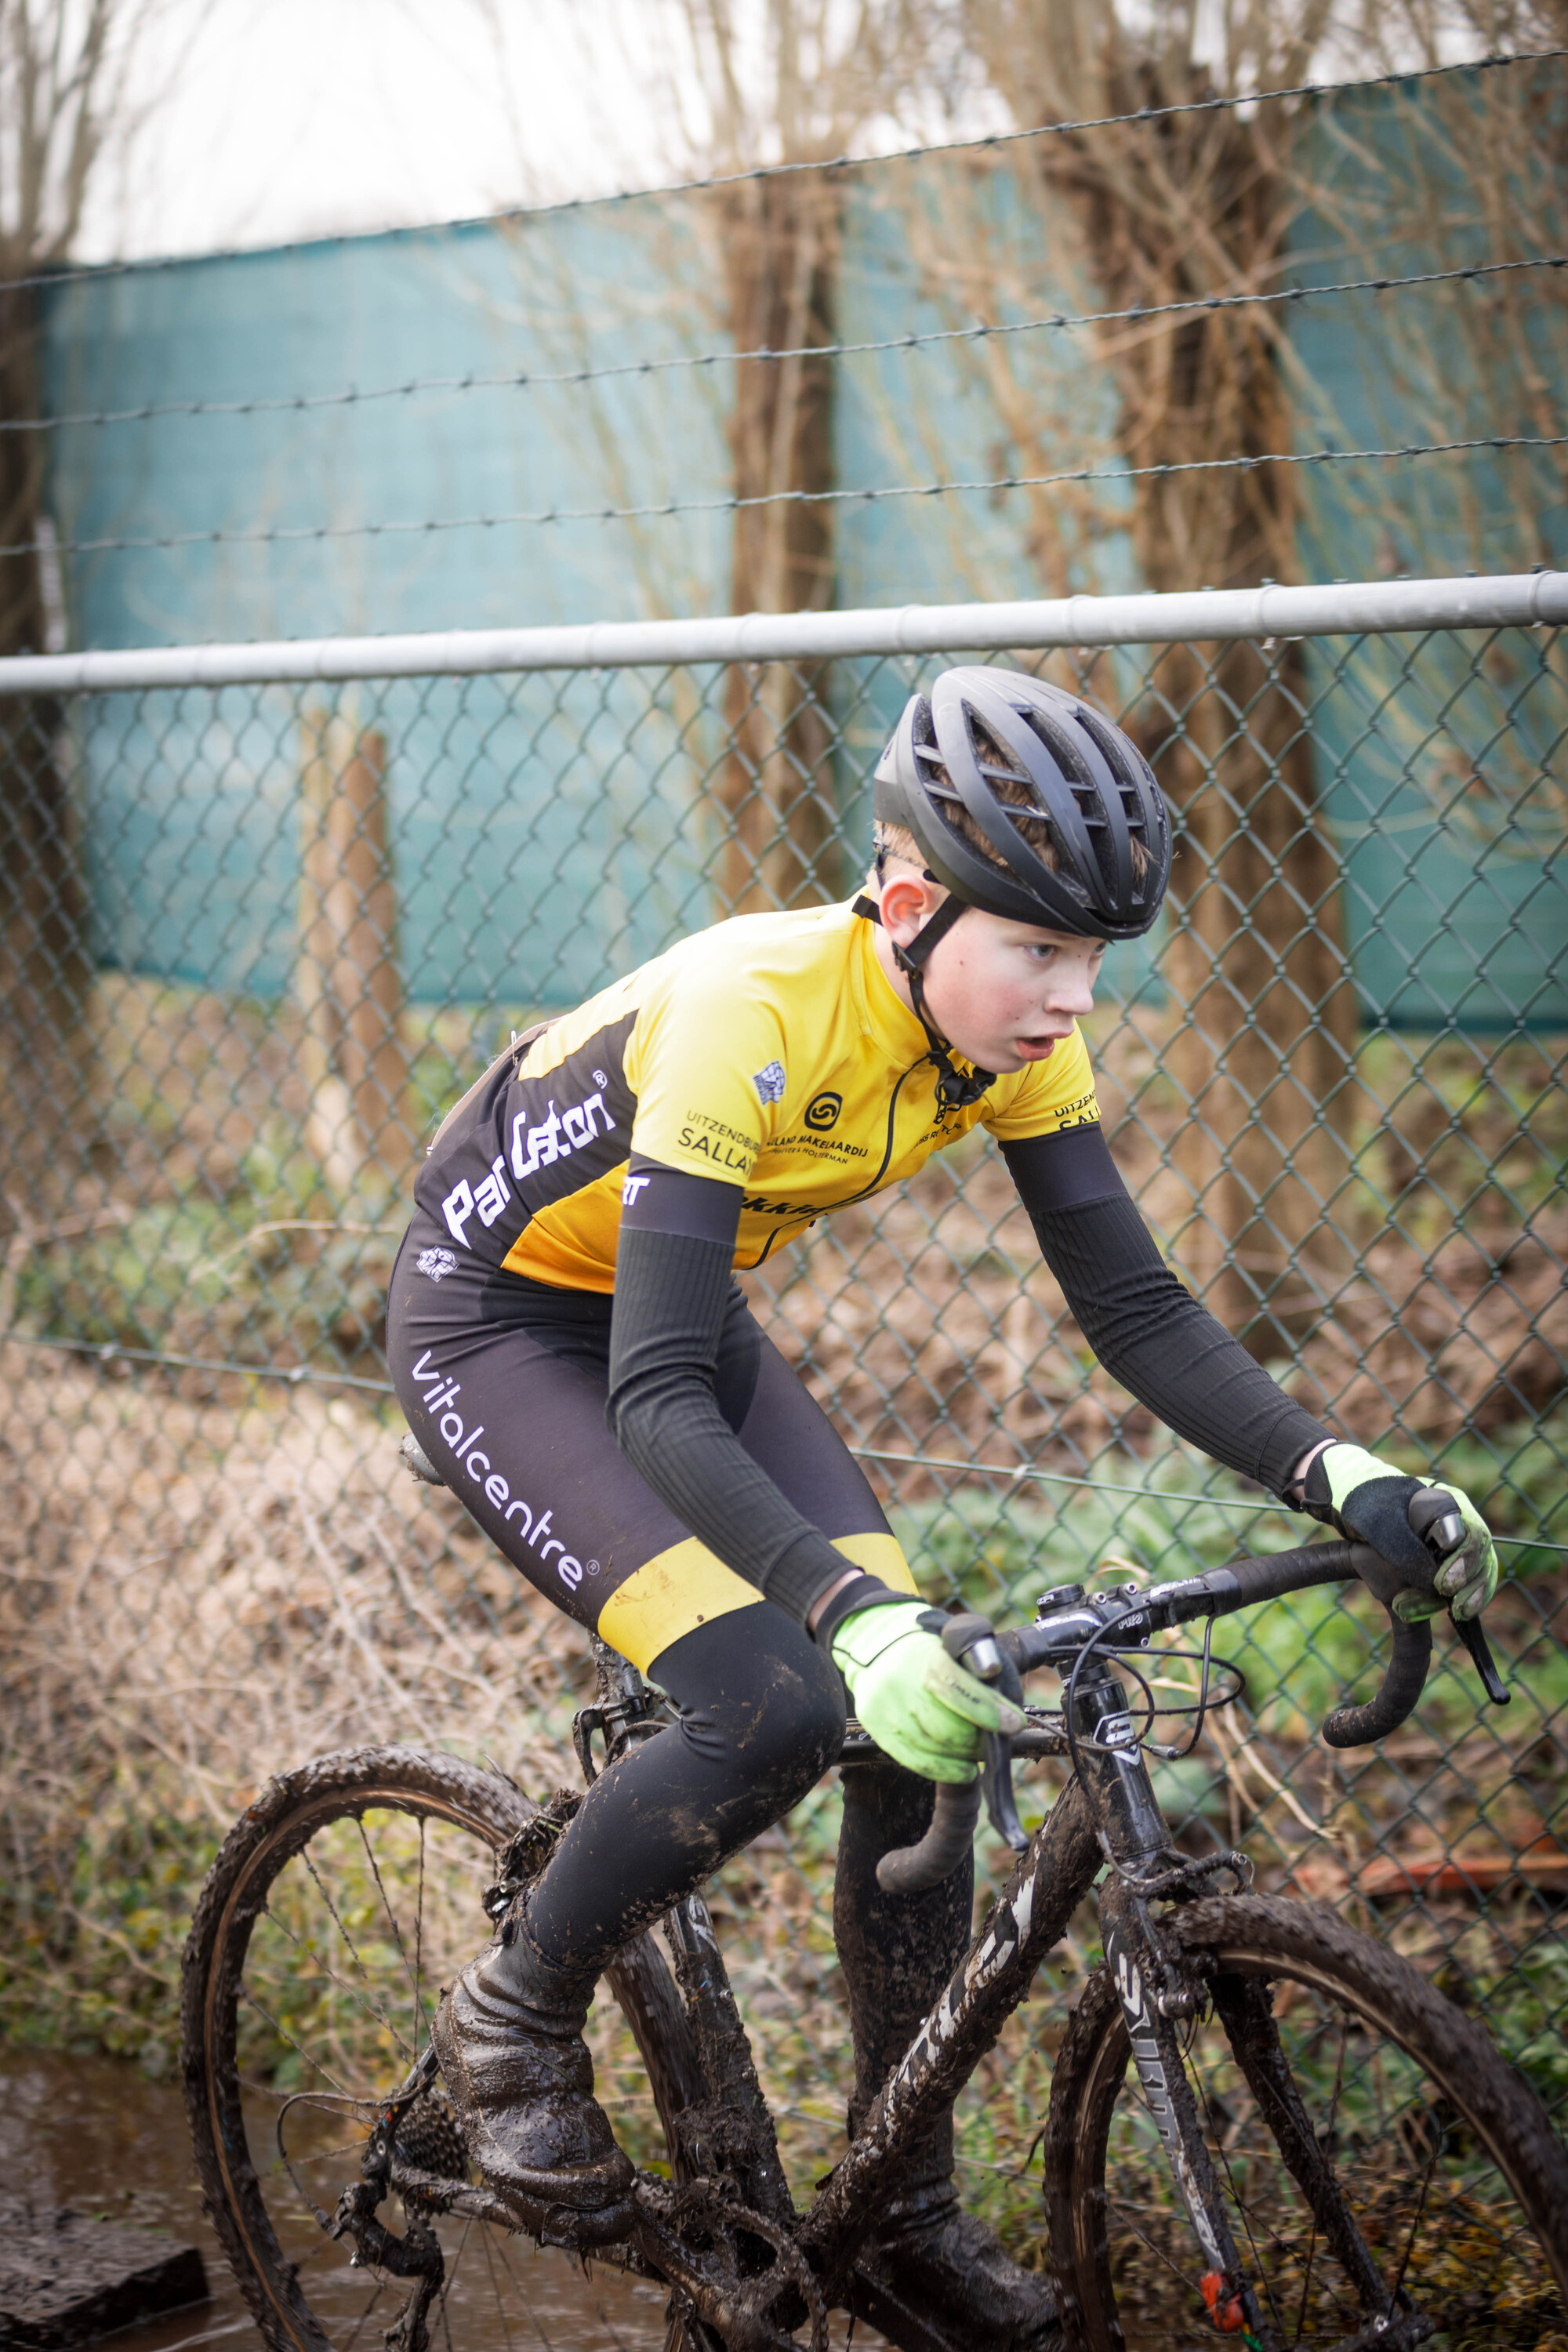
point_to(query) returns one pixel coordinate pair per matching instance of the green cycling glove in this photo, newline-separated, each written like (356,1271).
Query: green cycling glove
(1368,1501)
(920,1706)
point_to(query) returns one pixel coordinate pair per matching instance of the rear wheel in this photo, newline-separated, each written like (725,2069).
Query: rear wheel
(337,1908)
(1447,2160)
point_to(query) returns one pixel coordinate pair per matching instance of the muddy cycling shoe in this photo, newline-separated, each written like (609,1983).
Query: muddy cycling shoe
(931,2255)
(508,2035)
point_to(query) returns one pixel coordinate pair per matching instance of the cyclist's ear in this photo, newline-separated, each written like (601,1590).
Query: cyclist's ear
(908,902)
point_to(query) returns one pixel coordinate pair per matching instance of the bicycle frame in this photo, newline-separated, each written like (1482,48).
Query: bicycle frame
(1107,1813)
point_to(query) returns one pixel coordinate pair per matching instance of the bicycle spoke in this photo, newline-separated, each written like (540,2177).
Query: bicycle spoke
(491,2251)
(447,2282)
(1334,2115)
(1410,2242)
(350,1991)
(364,2315)
(284,2035)
(1240,2203)
(392,1923)
(1125,2212)
(379,2014)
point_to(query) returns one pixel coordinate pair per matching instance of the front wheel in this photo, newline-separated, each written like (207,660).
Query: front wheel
(337,1908)
(1323,2062)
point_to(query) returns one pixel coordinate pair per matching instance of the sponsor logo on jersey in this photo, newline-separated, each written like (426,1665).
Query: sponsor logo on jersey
(729,1134)
(439,1396)
(822,1111)
(1082,1111)
(713,1147)
(463,1202)
(760,1206)
(555,1136)
(437,1263)
(769,1082)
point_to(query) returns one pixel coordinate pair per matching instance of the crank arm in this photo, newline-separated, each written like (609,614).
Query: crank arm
(719,2302)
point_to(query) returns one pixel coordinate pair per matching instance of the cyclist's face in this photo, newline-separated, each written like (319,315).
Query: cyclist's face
(1002,993)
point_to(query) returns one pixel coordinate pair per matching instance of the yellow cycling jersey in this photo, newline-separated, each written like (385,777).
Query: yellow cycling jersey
(771,1052)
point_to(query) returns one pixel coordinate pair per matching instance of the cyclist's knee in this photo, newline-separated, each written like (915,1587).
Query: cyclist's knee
(799,1725)
(765,1702)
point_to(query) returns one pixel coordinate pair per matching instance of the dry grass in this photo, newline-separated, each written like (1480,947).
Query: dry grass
(194,1596)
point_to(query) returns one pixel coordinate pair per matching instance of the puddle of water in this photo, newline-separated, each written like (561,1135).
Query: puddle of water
(97,2136)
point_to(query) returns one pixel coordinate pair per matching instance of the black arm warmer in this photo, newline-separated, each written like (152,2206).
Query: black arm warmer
(1146,1326)
(673,1273)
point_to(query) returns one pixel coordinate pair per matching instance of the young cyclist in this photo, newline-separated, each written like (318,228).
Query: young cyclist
(573,1352)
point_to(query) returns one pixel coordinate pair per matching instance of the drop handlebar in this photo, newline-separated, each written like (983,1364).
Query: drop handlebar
(1071,1622)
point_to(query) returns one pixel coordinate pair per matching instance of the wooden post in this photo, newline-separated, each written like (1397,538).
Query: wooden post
(780,261)
(1263,1042)
(346,975)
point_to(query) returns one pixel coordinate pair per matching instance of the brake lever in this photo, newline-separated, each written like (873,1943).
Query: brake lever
(997,1780)
(972,1640)
(1434,1517)
(1469,1629)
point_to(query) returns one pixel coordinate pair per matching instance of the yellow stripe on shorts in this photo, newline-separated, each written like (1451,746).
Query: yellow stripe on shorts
(688,1586)
(879,1555)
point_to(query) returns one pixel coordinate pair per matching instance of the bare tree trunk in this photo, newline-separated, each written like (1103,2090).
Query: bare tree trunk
(346,976)
(779,239)
(1261,1048)
(1265,1045)
(1264,1036)
(44,967)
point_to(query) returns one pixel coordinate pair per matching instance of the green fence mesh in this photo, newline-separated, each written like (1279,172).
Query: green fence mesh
(256,939)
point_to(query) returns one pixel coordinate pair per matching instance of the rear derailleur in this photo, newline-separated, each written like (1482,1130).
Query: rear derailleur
(411,2141)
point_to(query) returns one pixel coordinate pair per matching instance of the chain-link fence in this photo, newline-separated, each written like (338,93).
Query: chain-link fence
(256,937)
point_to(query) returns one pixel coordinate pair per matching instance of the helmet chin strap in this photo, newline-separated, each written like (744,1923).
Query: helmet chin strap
(953,1090)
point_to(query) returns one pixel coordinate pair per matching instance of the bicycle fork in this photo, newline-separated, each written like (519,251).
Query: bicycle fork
(1157,1998)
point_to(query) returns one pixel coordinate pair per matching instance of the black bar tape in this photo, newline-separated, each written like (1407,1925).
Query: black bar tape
(1271,1575)
(954,1818)
(1358,1726)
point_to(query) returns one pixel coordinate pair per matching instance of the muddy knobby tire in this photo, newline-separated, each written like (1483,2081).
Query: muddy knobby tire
(1439,2144)
(409,1795)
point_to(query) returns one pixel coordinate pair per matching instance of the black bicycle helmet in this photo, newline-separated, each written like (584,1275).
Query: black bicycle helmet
(1085,779)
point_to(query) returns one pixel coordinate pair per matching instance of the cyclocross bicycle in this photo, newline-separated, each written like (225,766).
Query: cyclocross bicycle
(1260,2122)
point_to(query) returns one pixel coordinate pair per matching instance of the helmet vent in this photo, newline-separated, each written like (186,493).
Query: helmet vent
(1057,806)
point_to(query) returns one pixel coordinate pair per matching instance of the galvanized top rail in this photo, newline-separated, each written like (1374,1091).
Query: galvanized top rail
(1347,608)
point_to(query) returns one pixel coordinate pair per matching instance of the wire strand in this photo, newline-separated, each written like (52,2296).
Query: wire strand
(107,1351)
(1021,1470)
(536,379)
(284,534)
(979,144)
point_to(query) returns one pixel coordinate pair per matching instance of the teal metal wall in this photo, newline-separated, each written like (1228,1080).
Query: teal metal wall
(369,503)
